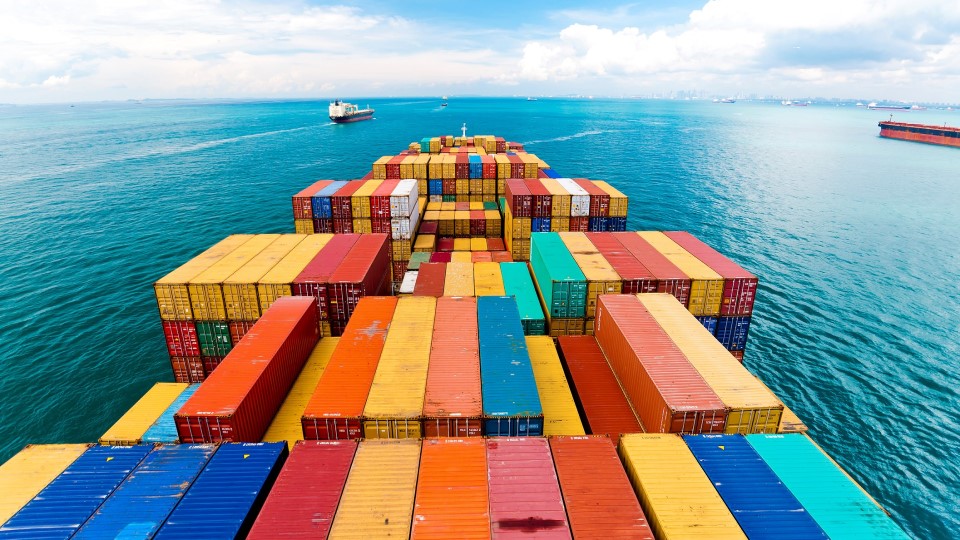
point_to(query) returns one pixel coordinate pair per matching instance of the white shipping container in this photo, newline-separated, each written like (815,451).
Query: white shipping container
(403,200)
(404,228)
(579,198)
(409,282)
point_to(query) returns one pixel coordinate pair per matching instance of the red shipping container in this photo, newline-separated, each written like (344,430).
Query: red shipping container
(380,201)
(399,269)
(501,145)
(525,500)
(670,279)
(303,201)
(334,409)
(441,257)
(636,278)
(210,363)
(445,244)
(496,244)
(314,279)
(517,167)
(380,226)
(393,167)
(599,199)
(363,272)
(430,279)
(462,206)
(518,196)
(462,167)
(305,496)
(187,369)
(601,399)
(239,399)
(738,355)
(452,401)
(429,227)
(343,226)
(489,166)
(238,329)
(481,256)
(541,199)
(739,286)
(542,174)
(322,225)
(341,201)
(500,256)
(181,337)
(478,223)
(597,494)
(667,392)
(579,224)
(449,186)
(368,176)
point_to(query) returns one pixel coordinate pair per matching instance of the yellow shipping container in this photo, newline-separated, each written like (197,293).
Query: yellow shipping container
(240,289)
(565,327)
(476,198)
(448,206)
(530,164)
(434,145)
(461,244)
(463,186)
(676,495)
(433,206)
(494,223)
(25,474)
(459,279)
(377,500)
(449,166)
(487,279)
(476,206)
(435,168)
(276,282)
(445,226)
(560,224)
(303,226)
(129,429)
(478,244)
(522,227)
(618,201)
(501,185)
(489,186)
(476,188)
(421,165)
(395,403)
(790,422)
(380,167)
(751,406)
(559,199)
(173,297)
(401,249)
(560,415)
(286,425)
(360,200)
(463,198)
(362,225)
(461,223)
(706,286)
(461,257)
(601,277)
(206,289)
(406,166)
(503,167)
(425,242)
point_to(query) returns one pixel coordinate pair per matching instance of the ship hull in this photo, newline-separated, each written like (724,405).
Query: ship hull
(943,136)
(353,118)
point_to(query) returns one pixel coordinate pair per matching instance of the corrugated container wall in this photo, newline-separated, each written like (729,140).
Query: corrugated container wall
(739,286)
(452,498)
(560,415)
(562,285)
(130,428)
(206,288)
(30,470)
(164,429)
(706,286)
(287,424)
(518,283)
(452,401)
(240,289)
(277,282)
(173,297)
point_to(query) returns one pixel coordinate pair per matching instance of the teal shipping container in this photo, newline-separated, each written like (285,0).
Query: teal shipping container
(838,505)
(518,284)
(562,284)
(164,430)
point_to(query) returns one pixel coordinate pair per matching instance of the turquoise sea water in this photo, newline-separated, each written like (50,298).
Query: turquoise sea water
(853,238)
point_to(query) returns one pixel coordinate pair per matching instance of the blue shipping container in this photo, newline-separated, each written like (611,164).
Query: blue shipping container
(143,501)
(599,224)
(226,498)
(551,173)
(762,505)
(435,187)
(322,208)
(732,332)
(710,323)
(618,224)
(476,166)
(540,224)
(511,403)
(73,496)
(164,430)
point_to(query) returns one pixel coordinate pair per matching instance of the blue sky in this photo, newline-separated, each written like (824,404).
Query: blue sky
(57,50)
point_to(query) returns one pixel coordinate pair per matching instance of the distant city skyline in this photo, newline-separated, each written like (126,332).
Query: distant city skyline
(60,51)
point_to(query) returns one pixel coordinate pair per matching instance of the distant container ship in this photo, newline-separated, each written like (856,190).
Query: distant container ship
(342,112)
(942,135)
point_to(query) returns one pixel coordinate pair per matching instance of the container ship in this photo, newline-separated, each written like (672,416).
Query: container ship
(942,135)
(342,112)
(463,319)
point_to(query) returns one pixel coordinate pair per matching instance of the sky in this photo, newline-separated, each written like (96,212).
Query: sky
(64,51)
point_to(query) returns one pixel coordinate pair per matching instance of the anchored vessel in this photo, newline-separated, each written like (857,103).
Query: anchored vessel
(942,135)
(342,112)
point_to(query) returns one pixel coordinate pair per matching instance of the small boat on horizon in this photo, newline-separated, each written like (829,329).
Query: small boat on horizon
(725,100)
(876,107)
(342,112)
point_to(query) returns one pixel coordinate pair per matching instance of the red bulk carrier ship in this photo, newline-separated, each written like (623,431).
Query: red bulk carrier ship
(942,135)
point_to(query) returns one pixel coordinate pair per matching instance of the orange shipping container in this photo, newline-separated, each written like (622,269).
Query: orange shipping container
(452,493)
(452,404)
(334,410)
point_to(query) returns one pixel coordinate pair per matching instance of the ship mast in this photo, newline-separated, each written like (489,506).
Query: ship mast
(463,130)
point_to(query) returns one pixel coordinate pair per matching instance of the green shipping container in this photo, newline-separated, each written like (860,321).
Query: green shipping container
(416,258)
(449,198)
(214,338)
(517,283)
(491,205)
(562,284)
(839,506)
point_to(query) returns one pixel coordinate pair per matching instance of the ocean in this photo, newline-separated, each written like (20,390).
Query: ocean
(853,238)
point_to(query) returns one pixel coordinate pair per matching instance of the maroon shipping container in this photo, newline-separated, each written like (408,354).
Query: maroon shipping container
(579,224)
(489,167)
(181,337)
(380,201)
(363,272)
(525,500)
(187,369)
(670,279)
(518,169)
(500,256)
(636,278)
(341,201)
(518,196)
(238,329)
(430,279)
(303,201)
(314,279)
(445,244)
(739,286)
(305,496)
(598,393)
(542,174)
(667,392)
(210,363)
(237,402)
(478,223)
(496,244)
(541,198)
(597,494)
(599,199)
(368,176)
(399,268)
(343,225)
(449,186)
(429,227)
(393,167)
(738,355)
(322,225)
(462,167)
(381,225)
(441,257)
(501,145)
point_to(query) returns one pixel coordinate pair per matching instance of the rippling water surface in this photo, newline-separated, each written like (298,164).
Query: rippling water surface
(854,239)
